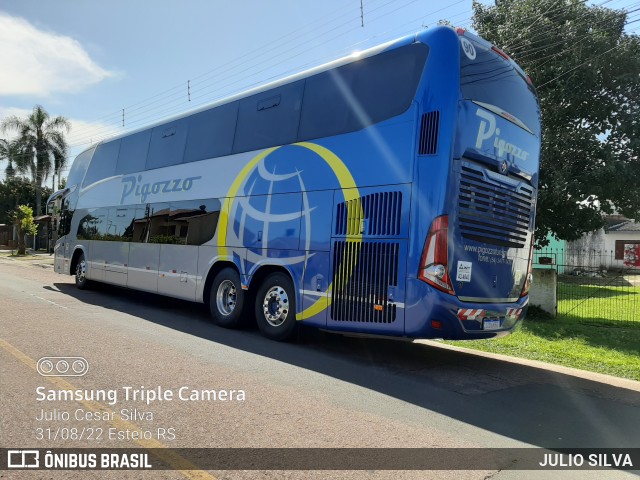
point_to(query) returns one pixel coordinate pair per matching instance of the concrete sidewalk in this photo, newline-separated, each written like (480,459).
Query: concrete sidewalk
(39,258)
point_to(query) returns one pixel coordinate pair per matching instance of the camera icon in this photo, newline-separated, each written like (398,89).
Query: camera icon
(62,366)
(23,458)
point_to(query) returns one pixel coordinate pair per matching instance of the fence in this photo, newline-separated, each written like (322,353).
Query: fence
(595,287)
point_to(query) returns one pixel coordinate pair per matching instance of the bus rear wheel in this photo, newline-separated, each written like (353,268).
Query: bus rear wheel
(226,299)
(276,308)
(82,282)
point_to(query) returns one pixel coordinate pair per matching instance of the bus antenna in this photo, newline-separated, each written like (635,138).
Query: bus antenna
(361,14)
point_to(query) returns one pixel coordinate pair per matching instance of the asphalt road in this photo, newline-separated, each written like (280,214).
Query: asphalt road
(326,391)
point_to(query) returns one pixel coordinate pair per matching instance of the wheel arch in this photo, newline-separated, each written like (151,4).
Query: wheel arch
(74,259)
(216,268)
(263,271)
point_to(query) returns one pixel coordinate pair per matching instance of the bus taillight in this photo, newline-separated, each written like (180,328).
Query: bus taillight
(501,53)
(433,265)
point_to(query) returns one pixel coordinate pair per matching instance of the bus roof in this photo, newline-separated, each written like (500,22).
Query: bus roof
(353,57)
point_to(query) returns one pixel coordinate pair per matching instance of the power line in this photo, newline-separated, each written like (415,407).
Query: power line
(217,88)
(219,70)
(132,113)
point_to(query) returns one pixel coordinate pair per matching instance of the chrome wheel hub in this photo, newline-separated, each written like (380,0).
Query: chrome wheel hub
(226,297)
(81,271)
(275,306)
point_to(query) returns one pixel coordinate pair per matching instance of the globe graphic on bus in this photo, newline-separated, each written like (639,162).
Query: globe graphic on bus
(267,223)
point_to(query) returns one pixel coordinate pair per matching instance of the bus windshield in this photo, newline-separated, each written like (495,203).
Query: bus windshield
(491,80)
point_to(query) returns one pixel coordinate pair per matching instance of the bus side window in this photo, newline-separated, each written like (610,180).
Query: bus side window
(326,106)
(133,153)
(93,226)
(193,222)
(79,167)
(103,162)
(159,228)
(204,226)
(398,71)
(211,133)
(269,118)
(64,225)
(167,144)
(120,223)
(139,223)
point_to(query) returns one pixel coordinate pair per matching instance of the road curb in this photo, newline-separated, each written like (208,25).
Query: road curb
(625,383)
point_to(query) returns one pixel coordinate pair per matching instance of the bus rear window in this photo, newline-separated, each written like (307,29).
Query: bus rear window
(489,78)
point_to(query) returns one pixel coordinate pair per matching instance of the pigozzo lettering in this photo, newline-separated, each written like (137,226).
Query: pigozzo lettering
(133,185)
(488,129)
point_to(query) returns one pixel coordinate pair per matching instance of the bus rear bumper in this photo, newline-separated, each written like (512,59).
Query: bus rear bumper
(440,315)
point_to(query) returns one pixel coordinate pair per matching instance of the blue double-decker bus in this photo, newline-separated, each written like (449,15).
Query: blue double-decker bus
(391,192)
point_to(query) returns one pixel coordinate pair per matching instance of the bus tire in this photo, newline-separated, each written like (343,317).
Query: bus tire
(82,282)
(226,299)
(275,307)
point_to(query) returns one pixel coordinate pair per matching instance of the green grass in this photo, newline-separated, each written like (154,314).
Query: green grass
(601,304)
(564,341)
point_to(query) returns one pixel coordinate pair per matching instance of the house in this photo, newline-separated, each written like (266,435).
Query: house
(42,237)
(616,246)
(6,236)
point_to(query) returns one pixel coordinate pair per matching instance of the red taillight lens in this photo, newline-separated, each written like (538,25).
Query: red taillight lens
(433,265)
(529,280)
(501,53)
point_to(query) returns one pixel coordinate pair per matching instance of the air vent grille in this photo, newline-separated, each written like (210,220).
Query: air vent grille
(429,128)
(492,213)
(362,275)
(377,215)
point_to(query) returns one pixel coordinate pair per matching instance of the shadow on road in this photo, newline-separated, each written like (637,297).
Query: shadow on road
(528,404)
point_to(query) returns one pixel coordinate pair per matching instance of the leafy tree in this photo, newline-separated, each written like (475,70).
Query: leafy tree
(587,73)
(23,219)
(42,141)
(18,191)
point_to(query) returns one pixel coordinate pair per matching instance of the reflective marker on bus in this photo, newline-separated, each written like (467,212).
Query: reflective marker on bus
(392,193)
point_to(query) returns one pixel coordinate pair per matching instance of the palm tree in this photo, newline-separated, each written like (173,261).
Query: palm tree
(41,139)
(59,162)
(11,152)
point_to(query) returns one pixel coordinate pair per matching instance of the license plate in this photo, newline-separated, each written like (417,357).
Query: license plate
(491,325)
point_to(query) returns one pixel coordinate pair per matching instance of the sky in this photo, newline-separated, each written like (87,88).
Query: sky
(89,60)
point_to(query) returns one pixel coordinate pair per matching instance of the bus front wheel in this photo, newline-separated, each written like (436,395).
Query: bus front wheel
(226,299)
(82,282)
(276,308)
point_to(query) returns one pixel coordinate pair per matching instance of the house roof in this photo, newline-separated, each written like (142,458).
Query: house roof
(624,226)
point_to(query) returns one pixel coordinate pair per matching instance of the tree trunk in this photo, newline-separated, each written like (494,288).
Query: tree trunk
(42,161)
(21,242)
(38,200)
